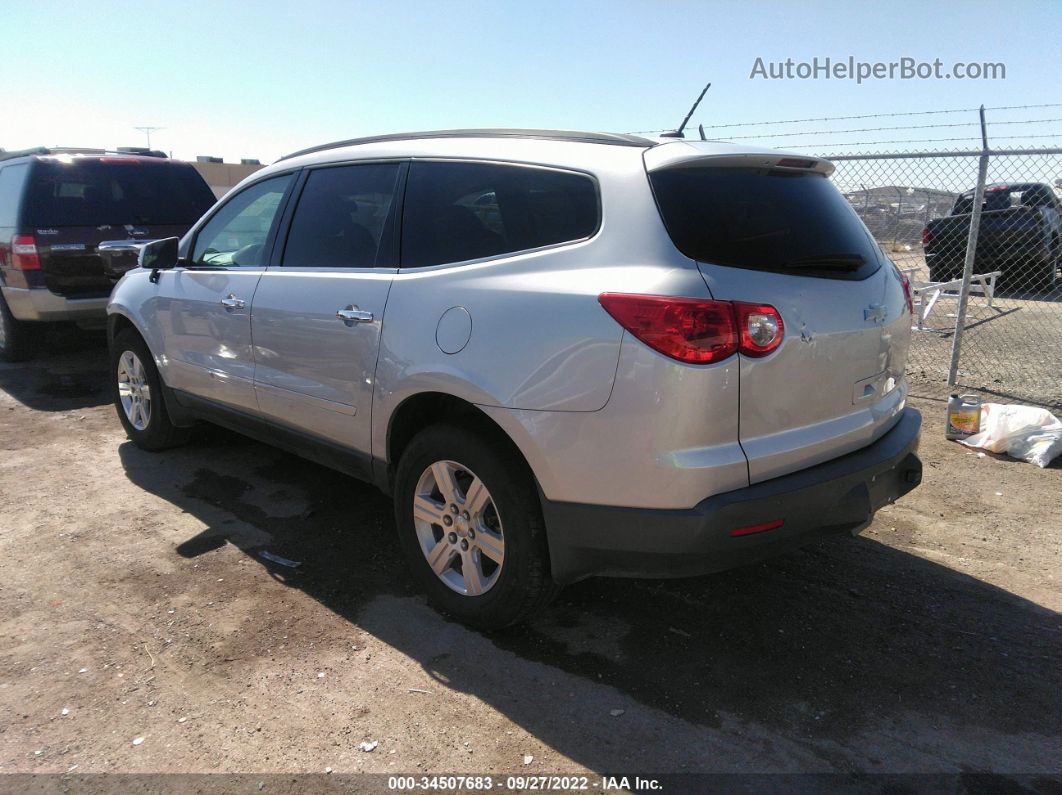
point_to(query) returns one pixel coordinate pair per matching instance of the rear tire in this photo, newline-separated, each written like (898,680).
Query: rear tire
(1038,275)
(940,274)
(15,339)
(474,465)
(137,391)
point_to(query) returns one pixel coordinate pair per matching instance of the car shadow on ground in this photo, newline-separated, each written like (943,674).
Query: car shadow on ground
(67,372)
(830,645)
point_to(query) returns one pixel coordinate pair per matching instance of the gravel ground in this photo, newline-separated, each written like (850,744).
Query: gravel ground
(134,603)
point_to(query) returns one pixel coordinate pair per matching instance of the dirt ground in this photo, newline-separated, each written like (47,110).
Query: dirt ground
(141,631)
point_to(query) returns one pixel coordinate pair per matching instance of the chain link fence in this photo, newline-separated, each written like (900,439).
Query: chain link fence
(932,212)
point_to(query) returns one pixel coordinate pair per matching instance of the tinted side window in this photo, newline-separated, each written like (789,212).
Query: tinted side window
(461,211)
(339,220)
(12,178)
(236,234)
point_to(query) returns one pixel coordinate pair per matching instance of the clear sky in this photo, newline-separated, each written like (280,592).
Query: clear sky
(262,79)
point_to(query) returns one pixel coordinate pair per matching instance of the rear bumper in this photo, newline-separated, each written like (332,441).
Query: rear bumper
(836,496)
(40,303)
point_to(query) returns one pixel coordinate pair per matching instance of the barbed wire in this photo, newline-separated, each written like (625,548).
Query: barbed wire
(879,129)
(863,116)
(911,141)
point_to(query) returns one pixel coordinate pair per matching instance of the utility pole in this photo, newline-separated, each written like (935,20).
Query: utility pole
(147,131)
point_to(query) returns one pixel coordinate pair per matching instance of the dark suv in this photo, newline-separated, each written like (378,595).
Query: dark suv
(56,206)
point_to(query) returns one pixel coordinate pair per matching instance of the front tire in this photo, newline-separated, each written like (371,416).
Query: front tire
(137,392)
(470,523)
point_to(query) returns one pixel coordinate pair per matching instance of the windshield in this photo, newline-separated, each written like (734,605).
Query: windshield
(115,191)
(764,220)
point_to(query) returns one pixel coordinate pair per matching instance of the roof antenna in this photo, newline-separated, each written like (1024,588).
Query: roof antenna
(678,133)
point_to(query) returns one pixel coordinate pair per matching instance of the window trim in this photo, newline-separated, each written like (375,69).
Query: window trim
(185,259)
(508,254)
(390,235)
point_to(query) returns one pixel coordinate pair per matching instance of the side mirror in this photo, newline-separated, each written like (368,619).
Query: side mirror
(159,254)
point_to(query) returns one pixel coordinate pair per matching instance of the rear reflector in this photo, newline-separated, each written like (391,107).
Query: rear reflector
(696,330)
(757,528)
(24,253)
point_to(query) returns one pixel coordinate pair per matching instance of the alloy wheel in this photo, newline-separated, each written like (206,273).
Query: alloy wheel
(134,390)
(458,528)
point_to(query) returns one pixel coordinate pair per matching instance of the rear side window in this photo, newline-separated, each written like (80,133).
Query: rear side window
(12,178)
(759,219)
(118,191)
(464,211)
(340,218)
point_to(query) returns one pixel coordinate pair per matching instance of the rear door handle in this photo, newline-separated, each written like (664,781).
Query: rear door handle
(351,315)
(232,302)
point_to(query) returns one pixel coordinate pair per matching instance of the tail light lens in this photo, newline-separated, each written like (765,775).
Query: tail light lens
(760,328)
(694,330)
(24,253)
(925,237)
(688,329)
(908,296)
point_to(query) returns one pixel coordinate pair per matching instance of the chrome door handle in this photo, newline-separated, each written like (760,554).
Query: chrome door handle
(351,315)
(232,302)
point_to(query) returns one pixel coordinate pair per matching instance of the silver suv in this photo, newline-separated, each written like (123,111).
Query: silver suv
(564,354)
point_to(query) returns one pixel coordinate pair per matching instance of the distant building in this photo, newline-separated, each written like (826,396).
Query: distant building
(221,176)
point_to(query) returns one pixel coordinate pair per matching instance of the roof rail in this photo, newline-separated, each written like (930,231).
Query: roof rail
(614,139)
(37,150)
(136,151)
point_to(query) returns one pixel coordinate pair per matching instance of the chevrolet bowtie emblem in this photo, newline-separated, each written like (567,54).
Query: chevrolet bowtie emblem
(875,313)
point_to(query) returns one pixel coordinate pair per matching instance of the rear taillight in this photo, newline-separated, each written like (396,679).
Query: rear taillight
(925,237)
(695,330)
(908,296)
(24,253)
(691,330)
(760,328)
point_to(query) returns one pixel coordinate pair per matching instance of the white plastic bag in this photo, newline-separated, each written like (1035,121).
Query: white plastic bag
(1026,432)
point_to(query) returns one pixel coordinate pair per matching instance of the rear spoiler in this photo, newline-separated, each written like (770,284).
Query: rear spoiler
(706,154)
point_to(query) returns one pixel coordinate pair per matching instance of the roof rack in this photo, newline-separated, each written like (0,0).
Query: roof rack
(614,139)
(135,151)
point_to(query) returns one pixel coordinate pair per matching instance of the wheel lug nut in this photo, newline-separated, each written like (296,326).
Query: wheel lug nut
(447,521)
(464,544)
(464,515)
(453,538)
(453,509)
(471,533)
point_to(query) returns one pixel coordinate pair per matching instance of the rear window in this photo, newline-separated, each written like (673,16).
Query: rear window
(463,211)
(760,219)
(115,191)
(1003,197)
